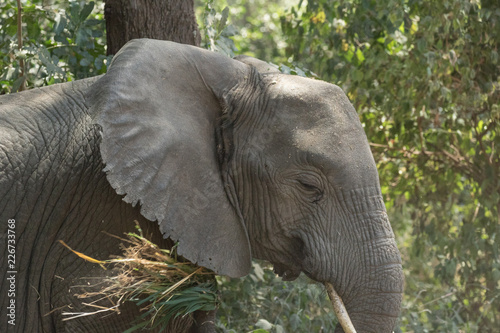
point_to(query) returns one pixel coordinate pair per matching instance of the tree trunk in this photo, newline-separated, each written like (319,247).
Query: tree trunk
(158,19)
(172,20)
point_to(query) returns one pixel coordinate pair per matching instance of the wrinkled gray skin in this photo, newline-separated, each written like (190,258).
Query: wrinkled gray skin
(231,162)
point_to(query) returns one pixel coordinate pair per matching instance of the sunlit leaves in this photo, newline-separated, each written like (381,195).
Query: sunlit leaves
(217,31)
(262,302)
(61,42)
(425,77)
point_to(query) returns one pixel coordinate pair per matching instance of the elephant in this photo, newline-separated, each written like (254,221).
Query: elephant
(228,157)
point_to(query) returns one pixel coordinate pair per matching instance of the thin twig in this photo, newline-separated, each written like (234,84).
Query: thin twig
(20,42)
(440,298)
(84,314)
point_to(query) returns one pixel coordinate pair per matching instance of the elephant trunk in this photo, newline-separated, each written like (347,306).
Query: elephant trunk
(374,304)
(367,273)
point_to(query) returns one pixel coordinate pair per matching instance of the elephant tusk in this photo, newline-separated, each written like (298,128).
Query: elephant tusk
(339,308)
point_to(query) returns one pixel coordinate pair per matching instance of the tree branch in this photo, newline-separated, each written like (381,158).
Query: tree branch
(20,42)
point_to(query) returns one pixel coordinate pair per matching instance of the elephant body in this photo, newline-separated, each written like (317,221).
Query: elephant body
(230,162)
(51,175)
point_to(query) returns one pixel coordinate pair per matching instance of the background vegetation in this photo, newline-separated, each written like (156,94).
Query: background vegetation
(61,41)
(424,76)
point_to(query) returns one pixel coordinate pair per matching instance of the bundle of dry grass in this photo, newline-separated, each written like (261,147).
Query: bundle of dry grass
(163,287)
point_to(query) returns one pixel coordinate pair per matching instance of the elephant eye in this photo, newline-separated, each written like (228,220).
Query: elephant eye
(308,186)
(313,191)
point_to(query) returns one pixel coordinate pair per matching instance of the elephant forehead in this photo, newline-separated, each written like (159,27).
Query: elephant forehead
(320,139)
(328,144)
(314,115)
(316,120)
(344,156)
(306,104)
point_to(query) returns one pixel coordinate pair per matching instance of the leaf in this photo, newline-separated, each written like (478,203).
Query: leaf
(223,46)
(259,272)
(17,83)
(84,62)
(279,329)
(86,10)
(60,24)
(264,324)
(285,69)
(229,31)
(494,57)
(360,56)
(223,19)
(98,62)
(47,61)
(74,11)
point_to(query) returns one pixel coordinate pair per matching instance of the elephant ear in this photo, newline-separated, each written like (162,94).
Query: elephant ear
(158,107)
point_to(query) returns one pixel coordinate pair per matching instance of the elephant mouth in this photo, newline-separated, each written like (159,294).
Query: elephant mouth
(286,273)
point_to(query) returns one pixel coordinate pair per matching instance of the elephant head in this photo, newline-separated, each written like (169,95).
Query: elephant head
(235,161)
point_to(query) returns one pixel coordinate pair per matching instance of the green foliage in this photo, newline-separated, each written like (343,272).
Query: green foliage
(425,77)
(258,33)
(261,302)
(201,297)
(258,26)
(61,42)
(216,30)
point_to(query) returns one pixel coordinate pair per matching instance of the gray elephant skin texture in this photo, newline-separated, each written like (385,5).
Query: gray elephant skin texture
(229,157)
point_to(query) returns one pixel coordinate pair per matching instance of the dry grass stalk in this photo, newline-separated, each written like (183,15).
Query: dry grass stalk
(155,280)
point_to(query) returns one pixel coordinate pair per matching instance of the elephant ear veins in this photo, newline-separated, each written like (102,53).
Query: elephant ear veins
(157,109)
